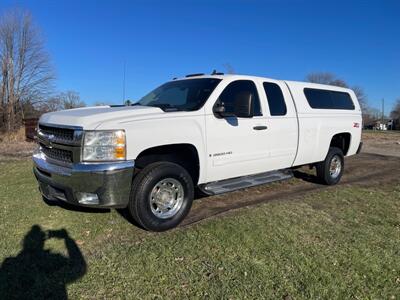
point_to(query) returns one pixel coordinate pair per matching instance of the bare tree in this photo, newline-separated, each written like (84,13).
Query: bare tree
(395,114)
(229,68)
(65,100)
(370,116)
(26,74)
(326,78)
(332,79)
(362,98)
(71,99)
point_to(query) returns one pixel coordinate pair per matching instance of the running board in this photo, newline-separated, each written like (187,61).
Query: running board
(229,185)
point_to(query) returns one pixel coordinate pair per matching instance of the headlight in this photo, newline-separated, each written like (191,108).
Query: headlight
(104,145)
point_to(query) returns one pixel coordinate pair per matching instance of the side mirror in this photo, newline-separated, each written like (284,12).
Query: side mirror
(244,106)
(220,111)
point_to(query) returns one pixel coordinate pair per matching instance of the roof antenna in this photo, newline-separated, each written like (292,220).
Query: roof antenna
(214,72)
(123,84)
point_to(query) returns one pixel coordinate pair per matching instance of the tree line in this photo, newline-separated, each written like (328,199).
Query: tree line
(27,77)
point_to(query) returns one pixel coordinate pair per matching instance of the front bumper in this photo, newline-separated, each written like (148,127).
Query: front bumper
(103,185)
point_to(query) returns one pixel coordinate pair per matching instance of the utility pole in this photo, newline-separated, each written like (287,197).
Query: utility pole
(383,110)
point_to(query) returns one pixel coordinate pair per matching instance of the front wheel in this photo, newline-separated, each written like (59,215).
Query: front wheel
(161,196)
(331,169)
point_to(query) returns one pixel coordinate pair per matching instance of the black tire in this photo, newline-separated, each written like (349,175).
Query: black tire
(140,207)
(324,173)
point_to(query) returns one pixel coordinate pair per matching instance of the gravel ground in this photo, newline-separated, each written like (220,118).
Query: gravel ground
(383,143)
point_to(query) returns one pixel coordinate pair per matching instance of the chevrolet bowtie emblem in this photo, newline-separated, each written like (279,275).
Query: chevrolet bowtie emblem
(49,137)
(46,139)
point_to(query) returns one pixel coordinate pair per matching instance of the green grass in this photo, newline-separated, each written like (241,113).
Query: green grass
(339,243)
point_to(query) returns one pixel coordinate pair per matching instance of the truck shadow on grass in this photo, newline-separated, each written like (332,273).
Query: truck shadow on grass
(306,177)
(37,273)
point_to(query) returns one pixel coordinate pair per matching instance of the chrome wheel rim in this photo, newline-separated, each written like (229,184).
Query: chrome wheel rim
(166,198)
(335,166)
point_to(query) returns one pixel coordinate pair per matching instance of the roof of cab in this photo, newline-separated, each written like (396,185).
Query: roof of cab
(224,76)
(249,77)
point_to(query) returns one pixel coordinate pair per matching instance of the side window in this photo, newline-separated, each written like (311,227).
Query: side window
(318,98)
(237,89)
(342,100)
(276,101)
(324,99)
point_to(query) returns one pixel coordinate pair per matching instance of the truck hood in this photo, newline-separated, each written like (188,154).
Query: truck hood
(91,117)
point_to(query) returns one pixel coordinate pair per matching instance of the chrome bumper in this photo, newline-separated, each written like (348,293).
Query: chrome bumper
(85,184)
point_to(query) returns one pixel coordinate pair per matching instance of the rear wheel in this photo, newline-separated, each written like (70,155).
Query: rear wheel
(161,197)
(330,170)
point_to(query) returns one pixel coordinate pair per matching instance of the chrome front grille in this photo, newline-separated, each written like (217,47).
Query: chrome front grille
(57,154)
(58,134)
(60,144)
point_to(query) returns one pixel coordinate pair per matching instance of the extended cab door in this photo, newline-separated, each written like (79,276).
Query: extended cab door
(236,146)
(243,146)
(282,124)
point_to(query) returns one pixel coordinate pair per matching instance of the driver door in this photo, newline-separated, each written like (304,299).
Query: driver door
(236,146)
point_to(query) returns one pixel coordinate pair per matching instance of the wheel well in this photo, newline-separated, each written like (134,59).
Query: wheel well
(184,155)
(341,141)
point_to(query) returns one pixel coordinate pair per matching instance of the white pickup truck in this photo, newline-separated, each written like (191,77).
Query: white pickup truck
(216,133)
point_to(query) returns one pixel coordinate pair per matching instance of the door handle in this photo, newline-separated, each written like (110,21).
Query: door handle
(260,127)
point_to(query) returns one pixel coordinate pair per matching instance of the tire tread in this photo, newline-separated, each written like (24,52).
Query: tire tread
(323,166)
(139,183)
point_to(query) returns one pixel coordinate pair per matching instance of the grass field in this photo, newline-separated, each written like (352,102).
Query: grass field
(338,243)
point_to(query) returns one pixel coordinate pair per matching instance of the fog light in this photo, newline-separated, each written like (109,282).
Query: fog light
(87,198)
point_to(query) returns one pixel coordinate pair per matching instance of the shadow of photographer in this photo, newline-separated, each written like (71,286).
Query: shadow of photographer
(36,273)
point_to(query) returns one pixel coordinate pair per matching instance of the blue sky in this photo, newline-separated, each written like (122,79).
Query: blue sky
(89,41)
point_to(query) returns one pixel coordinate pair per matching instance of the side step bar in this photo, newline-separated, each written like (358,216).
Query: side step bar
(229,185)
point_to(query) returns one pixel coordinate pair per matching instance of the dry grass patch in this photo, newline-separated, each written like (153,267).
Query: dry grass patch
(13,145)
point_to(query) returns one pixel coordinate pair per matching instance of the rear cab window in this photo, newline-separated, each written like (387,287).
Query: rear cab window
(275,99)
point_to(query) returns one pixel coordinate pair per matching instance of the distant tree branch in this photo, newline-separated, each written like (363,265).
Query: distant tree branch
(65,100)
(229,68)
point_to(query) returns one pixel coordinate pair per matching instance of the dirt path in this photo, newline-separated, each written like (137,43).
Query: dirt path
(363,169)
(378,149)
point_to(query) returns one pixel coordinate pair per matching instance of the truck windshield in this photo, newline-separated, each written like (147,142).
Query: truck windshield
(186,95)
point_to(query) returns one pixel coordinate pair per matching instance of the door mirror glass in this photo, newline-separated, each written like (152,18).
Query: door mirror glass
(220,110)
